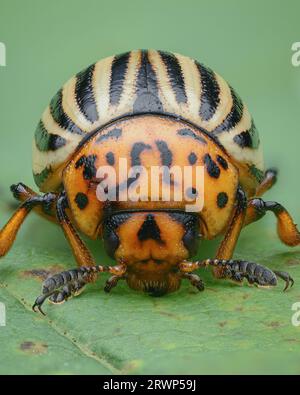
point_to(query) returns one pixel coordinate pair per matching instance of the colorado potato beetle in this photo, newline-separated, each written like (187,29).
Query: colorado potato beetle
(152,108)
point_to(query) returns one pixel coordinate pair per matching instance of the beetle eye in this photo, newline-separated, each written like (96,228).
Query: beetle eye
(111,241)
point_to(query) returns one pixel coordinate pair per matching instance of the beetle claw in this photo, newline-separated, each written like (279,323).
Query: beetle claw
(289,281)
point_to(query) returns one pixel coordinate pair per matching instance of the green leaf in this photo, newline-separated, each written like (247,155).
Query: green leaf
(226,328)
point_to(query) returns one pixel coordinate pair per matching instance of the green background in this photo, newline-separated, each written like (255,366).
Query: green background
(226,329)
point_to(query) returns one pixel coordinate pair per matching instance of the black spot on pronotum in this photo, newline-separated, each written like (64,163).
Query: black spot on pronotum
(222,162)
(212,168)
(189,133)
(136,151)
(81,200)
(89,168)
(110,158)
(165,153)
(192,158)
(113,133)
(222,199)
(149,230)
(191,193)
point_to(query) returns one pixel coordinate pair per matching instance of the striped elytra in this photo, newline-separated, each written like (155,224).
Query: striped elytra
(143,82)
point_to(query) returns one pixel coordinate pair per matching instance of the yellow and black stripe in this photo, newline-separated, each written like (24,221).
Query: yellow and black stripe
(142,82)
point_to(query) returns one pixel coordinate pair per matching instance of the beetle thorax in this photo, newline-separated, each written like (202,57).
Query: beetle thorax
(151,142)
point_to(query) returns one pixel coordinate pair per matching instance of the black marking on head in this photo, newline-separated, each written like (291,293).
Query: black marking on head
(189,133)
(248,138)
(88,162)
(234,116)
(60,117)
(146,88)
(118,73)
(110,158)
(222,162)
(211,166)
(136,150)
(166,155)
(113,133)
(150,230)
(222,199)
(192,158)
(84,93)
(190,223)
(81,200)
(175,75)
(110,237)
(46,141)
(191,193)
(210,92)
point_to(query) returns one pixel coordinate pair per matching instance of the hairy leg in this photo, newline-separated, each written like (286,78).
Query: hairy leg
(238,270)
(66,284)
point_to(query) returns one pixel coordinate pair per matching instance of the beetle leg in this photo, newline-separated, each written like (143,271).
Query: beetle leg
(79,249)
(112,282)
(9,232)
(237,270)
(195,280)
(22,192)
(268,181)
(227,246)
(286,229)
(59,287)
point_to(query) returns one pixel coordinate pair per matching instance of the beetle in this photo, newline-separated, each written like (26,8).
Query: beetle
(152,108)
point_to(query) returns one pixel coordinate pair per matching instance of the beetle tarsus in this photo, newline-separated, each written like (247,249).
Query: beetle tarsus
(238,270)
(195,280)
(61,286)
(112,282)
(289,281)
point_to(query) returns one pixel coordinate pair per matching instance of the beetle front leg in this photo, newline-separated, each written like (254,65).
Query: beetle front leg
(61,286)
(194,279)
(238,270)
(286,229)
(227,246)
(9,232)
